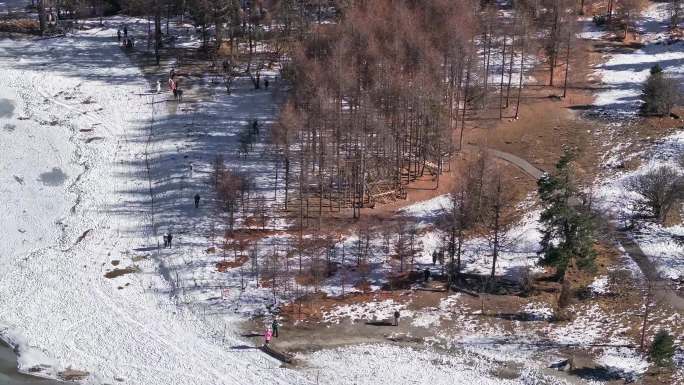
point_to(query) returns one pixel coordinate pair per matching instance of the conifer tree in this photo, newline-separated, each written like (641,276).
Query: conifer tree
(567,227)
(662,349)
(660,93)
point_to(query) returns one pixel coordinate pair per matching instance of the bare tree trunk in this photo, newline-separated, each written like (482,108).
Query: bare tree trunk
(157,31)
(497,230)
(610,11)
(520,83)
(567,66)
(465,101)
(42,17)
(510,71)
(554,44)
(503,70)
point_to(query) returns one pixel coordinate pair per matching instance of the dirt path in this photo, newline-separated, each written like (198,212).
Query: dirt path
(662,290)
(515,160)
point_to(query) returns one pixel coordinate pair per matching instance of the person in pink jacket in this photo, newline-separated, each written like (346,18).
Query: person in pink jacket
(267,336)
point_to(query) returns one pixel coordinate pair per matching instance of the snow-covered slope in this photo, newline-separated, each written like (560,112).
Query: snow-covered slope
(56,305)
(624,73)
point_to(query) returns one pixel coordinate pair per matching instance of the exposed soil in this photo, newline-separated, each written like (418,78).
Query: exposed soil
(73,375)
(23,26)
(303,329)
(120,272)
(225,265)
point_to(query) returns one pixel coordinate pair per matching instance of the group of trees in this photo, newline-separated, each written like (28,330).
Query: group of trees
(375,100)
(660,93)
(56,10)
(382,92)
(381,97)
(481,204)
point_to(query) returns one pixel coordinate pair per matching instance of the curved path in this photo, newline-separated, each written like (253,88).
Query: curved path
(662,291)
(515,160)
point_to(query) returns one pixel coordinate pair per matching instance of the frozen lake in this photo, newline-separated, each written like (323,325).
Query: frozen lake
(8,371)
(37,164)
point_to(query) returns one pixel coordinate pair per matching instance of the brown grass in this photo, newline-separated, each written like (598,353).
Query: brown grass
(70,374)
(223,266)
(27,26)
(121,272)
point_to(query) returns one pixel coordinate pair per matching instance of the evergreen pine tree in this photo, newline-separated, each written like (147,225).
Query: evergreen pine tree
(567,228)
(662,349)
(659,94)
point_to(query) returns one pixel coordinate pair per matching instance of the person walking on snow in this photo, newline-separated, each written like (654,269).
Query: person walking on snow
(166,239)
(274,326)
(266,83)
(118,35)
(426,273)
(169,237)
(125,31)
(255,126)
(197,199)
(158,86)
(396,318)
(267,336)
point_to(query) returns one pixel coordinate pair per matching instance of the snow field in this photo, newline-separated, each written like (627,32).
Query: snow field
(130,327)
(623,73)
(658,242)
(386,364)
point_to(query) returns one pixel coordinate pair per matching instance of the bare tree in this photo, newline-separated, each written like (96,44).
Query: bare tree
(401,245)
(230,72)
(230,191)
(676,10)
(658,189)
(460,216)
(629,13)
(496,214)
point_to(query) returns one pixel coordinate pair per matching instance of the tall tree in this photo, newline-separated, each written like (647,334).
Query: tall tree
(567,226)
(496,213)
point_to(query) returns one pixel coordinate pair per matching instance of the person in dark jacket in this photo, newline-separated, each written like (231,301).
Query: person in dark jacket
(426,273)
(118,35)
(255,126)
(197,199)
(169,237)
(274,327)
(396,318)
